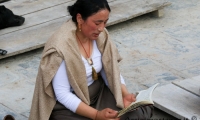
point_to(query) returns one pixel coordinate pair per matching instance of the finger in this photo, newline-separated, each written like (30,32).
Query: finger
(110,110)
(133,97)
(115,119)
(111,114)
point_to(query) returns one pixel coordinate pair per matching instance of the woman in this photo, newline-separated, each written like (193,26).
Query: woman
(79,77)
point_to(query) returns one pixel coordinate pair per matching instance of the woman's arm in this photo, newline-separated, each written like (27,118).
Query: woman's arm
(62,90)
(128,98)
(124,90)
(63,94)
(89,112)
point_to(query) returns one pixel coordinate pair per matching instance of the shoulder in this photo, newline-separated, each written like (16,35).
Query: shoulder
(106,33)
(63,33)
(105,30)
(60,39)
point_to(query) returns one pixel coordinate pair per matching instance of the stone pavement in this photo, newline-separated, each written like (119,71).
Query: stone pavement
(154,50)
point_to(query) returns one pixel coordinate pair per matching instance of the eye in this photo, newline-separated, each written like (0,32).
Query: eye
(97,23)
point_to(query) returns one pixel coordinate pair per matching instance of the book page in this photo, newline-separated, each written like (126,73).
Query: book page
(142,98)
(145,95)
(133,106)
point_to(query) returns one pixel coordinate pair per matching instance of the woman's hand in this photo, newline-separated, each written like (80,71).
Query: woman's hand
(107,114)
(128,99)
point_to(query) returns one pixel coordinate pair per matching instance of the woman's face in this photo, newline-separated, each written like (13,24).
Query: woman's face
(95,24)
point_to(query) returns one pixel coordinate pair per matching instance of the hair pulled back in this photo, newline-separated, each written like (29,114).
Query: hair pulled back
(87,8)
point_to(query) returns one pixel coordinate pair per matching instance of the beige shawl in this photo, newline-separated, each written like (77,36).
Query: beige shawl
(63,46)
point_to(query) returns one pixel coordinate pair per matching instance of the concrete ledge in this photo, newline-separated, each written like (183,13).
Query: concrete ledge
(41,23)
(177,102)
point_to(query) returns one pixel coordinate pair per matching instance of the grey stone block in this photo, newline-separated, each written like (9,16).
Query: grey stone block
(7,111)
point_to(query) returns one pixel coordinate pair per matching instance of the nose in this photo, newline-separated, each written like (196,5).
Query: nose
(101,27)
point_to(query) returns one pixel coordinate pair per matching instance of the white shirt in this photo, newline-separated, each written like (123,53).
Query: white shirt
(62,87)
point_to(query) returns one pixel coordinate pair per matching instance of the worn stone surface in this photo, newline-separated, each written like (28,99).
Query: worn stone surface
(154,50)
(4,110)
(40,25)
(177,102)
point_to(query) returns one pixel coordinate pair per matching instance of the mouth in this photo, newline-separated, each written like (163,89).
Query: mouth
(96,34)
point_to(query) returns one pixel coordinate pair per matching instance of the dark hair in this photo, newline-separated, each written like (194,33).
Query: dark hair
(87,8)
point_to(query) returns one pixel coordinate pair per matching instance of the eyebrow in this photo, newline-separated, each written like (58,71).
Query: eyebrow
(101,20)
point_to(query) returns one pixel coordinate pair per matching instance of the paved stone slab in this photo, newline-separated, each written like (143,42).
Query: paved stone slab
(7,111)
(24,40)
(29,39)
(7,77)
(23,7)
(191,72)
(153,36)
(144,71)
(154,44)
(177,101)
(191,85)
(185,33)
(18,96)
(37,15)
(40,17)
(180,63)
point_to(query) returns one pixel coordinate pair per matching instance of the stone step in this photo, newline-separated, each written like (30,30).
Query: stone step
(43,17)
(177,101)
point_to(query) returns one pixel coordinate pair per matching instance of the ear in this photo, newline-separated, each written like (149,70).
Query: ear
(79,18)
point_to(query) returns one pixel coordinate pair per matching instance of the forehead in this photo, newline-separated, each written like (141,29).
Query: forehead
(100,15)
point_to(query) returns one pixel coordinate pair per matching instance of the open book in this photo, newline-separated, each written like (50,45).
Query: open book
(143,98)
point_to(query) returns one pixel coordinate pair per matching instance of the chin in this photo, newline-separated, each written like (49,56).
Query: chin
(94,38)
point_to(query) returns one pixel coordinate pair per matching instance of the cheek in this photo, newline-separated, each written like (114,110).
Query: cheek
(90,29)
